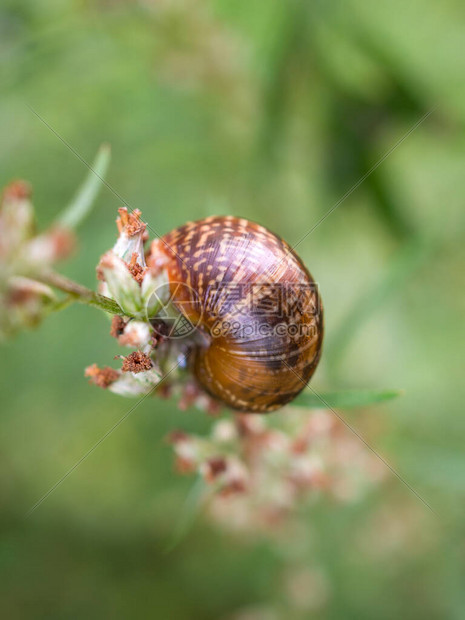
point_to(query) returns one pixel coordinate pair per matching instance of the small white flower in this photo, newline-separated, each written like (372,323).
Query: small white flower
(306,467)
(131,236)
(121,285)
(187,450)
(137,335)
(16,218)
(46,249)
(135,384)
(236,473)
(224,431)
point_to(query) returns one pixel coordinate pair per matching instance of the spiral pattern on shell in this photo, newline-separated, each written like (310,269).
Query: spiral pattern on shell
(255,301)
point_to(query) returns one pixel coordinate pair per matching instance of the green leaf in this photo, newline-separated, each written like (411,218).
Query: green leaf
(81,205)
(344,399)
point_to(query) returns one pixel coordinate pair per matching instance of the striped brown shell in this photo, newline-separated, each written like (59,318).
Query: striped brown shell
(257,304)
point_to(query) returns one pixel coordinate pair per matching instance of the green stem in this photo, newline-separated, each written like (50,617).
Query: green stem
(79,293)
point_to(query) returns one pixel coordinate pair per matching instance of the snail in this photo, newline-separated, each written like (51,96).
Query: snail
(255,303)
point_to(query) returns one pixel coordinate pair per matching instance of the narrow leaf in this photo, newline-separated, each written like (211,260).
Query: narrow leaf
(82,202)
(344,399)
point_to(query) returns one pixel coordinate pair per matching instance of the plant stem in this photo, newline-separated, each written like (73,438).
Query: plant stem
(79,293)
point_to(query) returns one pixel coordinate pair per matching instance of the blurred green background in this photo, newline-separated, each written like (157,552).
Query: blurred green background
(270,110)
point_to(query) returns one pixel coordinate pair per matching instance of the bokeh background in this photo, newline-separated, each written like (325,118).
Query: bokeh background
(270,110)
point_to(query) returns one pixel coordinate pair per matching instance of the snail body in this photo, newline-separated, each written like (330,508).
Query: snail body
(256,303)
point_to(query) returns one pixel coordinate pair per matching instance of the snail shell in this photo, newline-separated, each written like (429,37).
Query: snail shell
(258,305)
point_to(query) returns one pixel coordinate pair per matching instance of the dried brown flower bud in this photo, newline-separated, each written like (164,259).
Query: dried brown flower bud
(16,190)
(129,222)
(102,377)
(137,362)
(136,269)
(214,467)
(117,326)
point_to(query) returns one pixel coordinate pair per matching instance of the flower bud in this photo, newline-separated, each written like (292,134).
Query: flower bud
(46,249)
(137,335)
(131,238)
(16,217)
(123,271)
(124,382)
(132,384)
(25,303)
(122,287)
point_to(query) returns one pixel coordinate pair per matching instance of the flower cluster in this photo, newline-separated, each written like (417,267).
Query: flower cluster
(123,272)
(260,469)
(124,277)
(141,290)
(25,256)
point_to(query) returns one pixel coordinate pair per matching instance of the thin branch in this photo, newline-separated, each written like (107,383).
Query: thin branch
(79,293)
